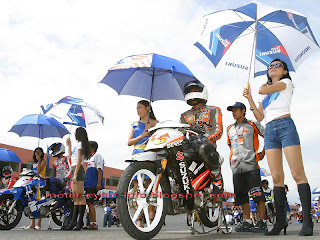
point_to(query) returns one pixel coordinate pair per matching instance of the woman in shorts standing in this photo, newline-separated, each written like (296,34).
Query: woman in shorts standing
(281,133)
(77,156)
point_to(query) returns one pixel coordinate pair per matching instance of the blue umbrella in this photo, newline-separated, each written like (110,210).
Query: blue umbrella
(37,125)
(233,38)
(7,155)
(149,76)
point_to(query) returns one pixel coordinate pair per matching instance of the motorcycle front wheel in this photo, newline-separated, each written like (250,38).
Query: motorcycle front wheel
(142,216)
(209,216)
(9,220)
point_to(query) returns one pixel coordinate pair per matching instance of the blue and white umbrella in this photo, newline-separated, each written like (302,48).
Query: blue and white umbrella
(231,199)
(7,155)
(149,76)
(39,126)
(316,190)
(74,111)
(316,198)
(264,173)
(230,38)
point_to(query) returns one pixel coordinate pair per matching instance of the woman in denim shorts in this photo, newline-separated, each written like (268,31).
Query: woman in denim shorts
(281,133)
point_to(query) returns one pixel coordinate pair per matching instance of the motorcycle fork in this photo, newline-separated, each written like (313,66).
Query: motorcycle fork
(12,206)
(160,173)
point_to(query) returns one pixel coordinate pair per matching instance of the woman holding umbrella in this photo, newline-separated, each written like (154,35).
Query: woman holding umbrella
(39,166)
(281,133)
(77,156)
(139,135)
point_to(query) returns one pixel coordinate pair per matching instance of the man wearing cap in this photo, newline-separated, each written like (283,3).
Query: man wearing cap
(243,141)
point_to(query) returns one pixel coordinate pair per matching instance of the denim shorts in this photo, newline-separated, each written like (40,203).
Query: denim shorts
(281,133)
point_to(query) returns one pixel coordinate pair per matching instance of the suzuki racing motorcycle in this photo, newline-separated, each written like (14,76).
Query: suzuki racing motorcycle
(166,180)
(28,195)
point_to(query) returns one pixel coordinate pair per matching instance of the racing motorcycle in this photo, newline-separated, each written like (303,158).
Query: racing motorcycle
(28,195)
(167,179)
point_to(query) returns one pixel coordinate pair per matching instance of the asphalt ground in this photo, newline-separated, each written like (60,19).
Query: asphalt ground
(175,228)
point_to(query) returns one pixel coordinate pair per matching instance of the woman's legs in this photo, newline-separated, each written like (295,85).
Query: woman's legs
(39,223)
(274,157)
(81,202)
(75,210)
(294,158)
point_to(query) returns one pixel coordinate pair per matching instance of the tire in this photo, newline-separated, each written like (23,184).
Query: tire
(58,216)
(9,221)
(209,216)
(128,205)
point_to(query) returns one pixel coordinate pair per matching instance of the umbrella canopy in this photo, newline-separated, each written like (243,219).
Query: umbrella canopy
(74,111)
(264,173)
(149,76)
(230,38)
(316,198)
(316,190)
(7,155)
(37,125)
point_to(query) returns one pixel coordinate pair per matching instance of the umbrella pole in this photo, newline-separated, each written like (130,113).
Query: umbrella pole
(74,109)
(253,52)
(39,135)
(151,95)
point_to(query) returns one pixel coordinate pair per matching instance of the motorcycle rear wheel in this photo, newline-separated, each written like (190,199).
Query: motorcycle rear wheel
(134,207)
(9,221)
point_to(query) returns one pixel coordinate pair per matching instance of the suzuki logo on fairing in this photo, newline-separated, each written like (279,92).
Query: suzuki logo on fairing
(225,42)
(185,179)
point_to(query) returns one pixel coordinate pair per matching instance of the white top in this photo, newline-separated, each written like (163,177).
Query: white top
(277,104)
(75,154)
(96,161)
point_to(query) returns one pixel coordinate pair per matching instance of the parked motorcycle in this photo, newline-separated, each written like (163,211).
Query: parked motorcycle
(28,195)
(270,214)
(166,179)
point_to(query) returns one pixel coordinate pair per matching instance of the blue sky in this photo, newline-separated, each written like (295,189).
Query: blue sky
(52,49)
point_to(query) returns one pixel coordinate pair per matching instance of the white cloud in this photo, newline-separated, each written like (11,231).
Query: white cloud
(51,49)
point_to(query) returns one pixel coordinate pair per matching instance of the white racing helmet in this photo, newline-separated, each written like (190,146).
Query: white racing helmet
(194,98)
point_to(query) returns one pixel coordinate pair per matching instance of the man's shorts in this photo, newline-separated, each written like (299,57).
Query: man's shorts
(247,182)
(81,173)
(90,192)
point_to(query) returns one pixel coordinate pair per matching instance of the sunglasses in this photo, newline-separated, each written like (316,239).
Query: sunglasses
(275,65)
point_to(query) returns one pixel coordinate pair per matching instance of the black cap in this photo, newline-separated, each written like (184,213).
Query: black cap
(237,105)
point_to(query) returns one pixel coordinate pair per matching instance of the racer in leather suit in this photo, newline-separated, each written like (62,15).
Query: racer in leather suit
(206,120)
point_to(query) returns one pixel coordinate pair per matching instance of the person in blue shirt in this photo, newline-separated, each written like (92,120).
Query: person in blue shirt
(138,136)
(93,182)
(139,130)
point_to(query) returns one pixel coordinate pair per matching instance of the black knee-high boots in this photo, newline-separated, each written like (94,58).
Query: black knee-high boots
(281,222)
(80,224)
(305,198)
(75,213)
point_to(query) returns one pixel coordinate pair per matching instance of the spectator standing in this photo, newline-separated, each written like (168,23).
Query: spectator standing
(244,157)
